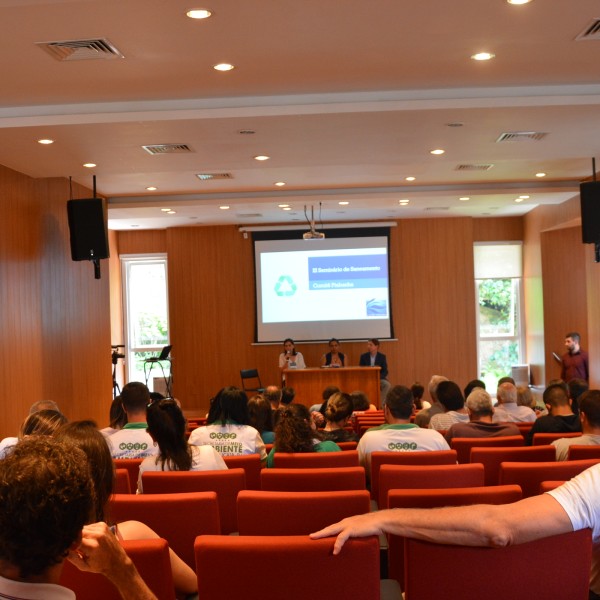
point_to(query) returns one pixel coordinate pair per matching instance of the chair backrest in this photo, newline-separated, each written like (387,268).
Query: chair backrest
(463,445)
(530,475)
(133,467)
(313,480)
(178,518)
(577,452)
(294,567)
(543,439)
(151,558)
(296,513)
(227,484)
(122,483)
(315,460)
(428,476)
(472,573)
(435,457)
(347,445)
(491,458)
(251,380)
(252,466)
(433,498)
(547,486)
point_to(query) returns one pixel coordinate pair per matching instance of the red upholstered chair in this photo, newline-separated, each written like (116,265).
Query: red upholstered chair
(577,452)
(491,458)
(524,428)
(122,483)
(435,457)
(151,558)
(347,445)
(424,498)
(251,464)
(472,573)
(393,477)
(178,518)
(227,484)
(313,480)
(547,486)
(530,475)
(296,513)
(290,567)
(315,460)
(543,439)
(133,466)
(463,445)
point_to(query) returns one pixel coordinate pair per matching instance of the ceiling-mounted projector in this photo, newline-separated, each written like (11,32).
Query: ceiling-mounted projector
(312,234)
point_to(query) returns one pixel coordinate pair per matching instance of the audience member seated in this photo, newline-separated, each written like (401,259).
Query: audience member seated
(47,497)
(451,398)
(317,411)
(480,408)
(576,388)
(338,413)
(333,358)
(398,434)
(526,398)
(42,422)
(295,432)
(417,391)
(117,417)
(273,395)
(287,395)
(227,429)
(507,410)
(423,417)
(133,441)
(360,402)
(85,436)
(261,417)
(589,415)
(560,418)
(474,383)
(166,426)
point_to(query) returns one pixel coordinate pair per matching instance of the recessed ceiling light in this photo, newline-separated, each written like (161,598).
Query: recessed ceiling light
(437,151)
(287,208)
(198,13)
(343,203)
(524,197)
(171,212)
(262,157)
(89,165)
(518,1)
(223,67)
(540,174)
(519,199)
(165,209)
(410,178)
(283,205)
(464,198)
(224,207)
(483,56)
(280,183)
(45,141)
(404,201)
(151,188)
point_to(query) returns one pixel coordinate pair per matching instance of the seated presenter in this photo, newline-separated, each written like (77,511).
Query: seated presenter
(290,358)
(374,358)
(333,358)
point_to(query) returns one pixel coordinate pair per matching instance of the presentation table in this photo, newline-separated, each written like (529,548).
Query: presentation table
(310,383)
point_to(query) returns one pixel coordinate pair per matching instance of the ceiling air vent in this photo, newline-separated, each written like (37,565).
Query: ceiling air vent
(591,32)
(476,167)
(209,176)
(249,215)
(167,148)
(521,136)
(437,208)
(99,48)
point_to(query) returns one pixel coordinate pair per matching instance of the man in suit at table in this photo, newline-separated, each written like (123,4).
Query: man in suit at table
(374,358)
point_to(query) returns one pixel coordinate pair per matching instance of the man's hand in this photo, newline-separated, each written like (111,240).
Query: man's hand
(358,526)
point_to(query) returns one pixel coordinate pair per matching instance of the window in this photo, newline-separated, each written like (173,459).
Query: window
(498,275)
(146,314)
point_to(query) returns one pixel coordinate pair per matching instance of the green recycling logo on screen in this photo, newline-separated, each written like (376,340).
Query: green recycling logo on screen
(285,286)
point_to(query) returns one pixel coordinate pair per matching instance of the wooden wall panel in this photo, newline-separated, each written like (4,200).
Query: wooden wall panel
(593,302)
(564,285)
(507,229)
(142,242)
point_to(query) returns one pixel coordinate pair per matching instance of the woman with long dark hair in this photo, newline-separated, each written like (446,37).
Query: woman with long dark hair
(295,432)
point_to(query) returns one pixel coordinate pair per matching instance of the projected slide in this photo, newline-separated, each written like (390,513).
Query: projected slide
(343,282)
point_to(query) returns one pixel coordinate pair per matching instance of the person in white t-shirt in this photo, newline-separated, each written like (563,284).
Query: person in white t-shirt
(227,429)
(166,426)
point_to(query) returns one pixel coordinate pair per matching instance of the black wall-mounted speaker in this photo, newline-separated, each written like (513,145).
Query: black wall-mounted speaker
(87,225)
(590,211)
